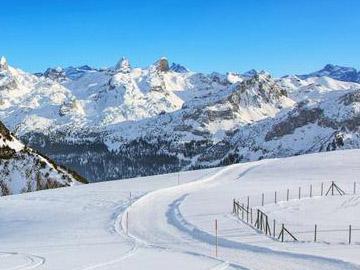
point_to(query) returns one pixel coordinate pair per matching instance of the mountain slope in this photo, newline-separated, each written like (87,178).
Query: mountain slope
(24,170)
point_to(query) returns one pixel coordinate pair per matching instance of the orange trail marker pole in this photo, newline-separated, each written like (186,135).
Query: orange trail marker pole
(127,222)
(216,237)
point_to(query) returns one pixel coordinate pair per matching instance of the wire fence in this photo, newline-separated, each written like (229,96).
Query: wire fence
(251,210)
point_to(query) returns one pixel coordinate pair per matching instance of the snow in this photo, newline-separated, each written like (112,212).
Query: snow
(171,220)
(314,88)
(300,216)
(123,65)
(3,61)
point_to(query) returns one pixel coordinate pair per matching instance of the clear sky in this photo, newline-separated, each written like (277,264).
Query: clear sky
(281,36)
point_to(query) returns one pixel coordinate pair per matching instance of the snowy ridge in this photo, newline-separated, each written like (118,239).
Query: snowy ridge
(24,170)
(336,72)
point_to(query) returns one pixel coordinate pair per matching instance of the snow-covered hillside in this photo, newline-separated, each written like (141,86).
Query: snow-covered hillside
(24,170)
(126,121)
(167,221)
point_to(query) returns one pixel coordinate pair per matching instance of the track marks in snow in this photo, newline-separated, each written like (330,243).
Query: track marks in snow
(353,201)
(220,266)
(128,254)
(19,261)
(118,227)
(242,174)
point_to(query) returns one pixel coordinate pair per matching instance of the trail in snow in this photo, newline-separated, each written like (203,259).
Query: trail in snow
(140,243)
(19,261)
(169,229)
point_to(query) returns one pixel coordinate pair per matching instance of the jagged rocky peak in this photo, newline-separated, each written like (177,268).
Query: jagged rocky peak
(178,68)
(162,65)
(260,77)
(219,78)
(336,72)
(56,74)
(250,73)
(264,85)
(7,79)
(3,64)
(329,67)
(123,65)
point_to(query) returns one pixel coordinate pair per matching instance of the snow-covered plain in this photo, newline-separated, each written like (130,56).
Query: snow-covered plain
(171,220)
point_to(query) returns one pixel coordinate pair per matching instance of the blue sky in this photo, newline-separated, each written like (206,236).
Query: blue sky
(281,36)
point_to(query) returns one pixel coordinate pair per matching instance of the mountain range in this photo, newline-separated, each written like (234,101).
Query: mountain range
(125,121)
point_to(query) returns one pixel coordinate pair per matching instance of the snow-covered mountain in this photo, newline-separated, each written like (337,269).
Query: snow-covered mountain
(23,169)
(125,121)
(347,74)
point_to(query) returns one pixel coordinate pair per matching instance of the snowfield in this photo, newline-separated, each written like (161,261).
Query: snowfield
(167,221)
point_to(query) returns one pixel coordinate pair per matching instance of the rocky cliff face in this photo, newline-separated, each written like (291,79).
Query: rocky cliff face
(123,121)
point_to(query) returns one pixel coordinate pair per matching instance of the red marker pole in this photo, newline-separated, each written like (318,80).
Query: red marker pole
(127,222)
(216,238)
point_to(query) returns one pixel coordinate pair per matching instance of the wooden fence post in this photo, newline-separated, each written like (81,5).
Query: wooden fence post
(282,232)
(299,193)
(275,199)
(234,207)
(262,199)
(267,227)
(127,223)
(322,188)
(247,214)
(248,202)
(287,195)
(242,211)
(310,191)
(315,232)
(354,187)
(257,222)
(251,216)
(349,234)
(274,231)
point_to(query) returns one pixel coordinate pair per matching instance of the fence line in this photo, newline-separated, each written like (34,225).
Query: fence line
(262,220)
(296,193)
